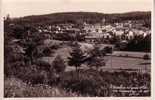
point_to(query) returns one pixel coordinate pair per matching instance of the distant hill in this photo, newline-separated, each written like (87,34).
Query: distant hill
(80,17)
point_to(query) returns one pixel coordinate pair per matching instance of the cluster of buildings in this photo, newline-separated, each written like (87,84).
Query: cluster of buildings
(123,30)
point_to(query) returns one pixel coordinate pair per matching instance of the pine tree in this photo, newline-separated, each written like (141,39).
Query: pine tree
(76,57)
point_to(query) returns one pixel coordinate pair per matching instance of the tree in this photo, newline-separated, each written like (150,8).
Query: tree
(13,59)
(58,64)
(19,31)
(97,52)
(96,58)
(7,18)
(108,49)
(58,67)
(96,62)
(76,57)
(29,52)
(31,43)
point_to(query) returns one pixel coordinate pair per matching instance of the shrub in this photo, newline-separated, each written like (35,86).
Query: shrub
(94,83)
(59,64)
(146,57)
(89,83)
(43,64)
(58,67)
(108,49)
(31,74)
(14,87)
(47,51)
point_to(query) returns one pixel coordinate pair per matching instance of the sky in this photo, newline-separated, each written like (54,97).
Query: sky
(20,8)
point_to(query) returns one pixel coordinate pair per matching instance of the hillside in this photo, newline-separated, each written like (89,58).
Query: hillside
(79,17)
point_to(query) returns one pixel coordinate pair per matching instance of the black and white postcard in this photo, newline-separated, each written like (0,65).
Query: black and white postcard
(77,48)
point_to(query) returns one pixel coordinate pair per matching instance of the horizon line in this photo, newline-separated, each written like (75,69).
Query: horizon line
(124,12)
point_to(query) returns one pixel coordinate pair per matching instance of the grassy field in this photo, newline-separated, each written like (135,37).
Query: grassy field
(127,63)
(133,62)
(132,54)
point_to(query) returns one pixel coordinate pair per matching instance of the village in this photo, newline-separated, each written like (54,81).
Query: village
(95,32)
(115,36)
(102,35)
(77,48)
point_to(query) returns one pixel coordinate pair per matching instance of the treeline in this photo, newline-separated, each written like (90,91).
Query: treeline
(130,16)
(139,43)
(80,17)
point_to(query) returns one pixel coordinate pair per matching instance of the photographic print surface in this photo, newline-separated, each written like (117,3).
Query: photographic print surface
(77,48)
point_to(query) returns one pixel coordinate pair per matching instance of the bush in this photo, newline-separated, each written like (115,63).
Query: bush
(108,49)
(47,51)
(89,83)
(31,74)
(146,57)
(94,83)
(14,87)
(58,64)
(43,65)
(13,68)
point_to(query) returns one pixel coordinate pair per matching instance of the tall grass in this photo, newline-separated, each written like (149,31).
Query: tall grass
(16,88)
